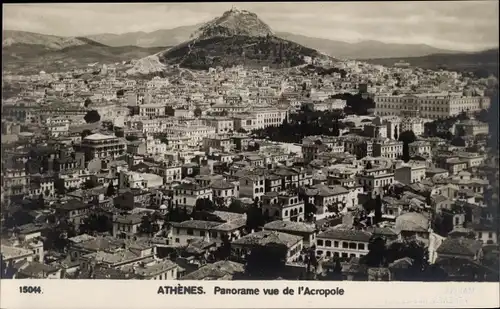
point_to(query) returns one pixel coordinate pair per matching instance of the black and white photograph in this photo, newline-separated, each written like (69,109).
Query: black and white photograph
(300,141)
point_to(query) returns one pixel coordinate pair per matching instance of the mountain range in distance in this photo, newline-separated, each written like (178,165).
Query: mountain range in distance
(235,37)
(339,49)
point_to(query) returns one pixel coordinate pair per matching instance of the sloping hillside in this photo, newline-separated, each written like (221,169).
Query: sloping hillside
(159,38)
(482,64)
(28,58)
(51,42)
(238,50)
(364,49)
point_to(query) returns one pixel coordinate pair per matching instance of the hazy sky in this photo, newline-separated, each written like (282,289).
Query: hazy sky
(463,25)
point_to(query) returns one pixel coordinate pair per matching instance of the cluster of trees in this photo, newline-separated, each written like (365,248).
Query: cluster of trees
(407,137)
(374,205)
(255,217)
(266,262)
(324,71)
(381,255)
(356,104)
(302,124)
(149,224)
(96,223)
(92,116)
(57,237)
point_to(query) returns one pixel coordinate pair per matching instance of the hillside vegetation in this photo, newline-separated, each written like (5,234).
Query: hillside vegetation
(235,50)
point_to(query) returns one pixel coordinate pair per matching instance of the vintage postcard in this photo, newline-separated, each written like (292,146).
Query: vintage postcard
(250,155)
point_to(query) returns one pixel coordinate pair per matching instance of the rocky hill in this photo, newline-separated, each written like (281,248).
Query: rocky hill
(234,23)
(237,37)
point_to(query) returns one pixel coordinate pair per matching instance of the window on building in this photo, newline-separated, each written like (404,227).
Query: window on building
(190,232)
(177,240)
(336,244)
(345,245)
(361,246)
(319,242)
(202,233)
(344,255)
(328,243)
(319,252)
(352,245)
(490,235)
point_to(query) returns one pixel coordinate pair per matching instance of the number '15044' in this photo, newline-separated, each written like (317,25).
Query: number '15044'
(30,289)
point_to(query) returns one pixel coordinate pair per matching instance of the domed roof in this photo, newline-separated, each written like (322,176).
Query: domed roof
(163,206)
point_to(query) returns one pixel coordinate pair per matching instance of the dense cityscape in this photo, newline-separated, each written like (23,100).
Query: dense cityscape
(328,170)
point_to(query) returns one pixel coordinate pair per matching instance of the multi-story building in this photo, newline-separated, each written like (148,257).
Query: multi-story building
(102,146)
(343,243)
(419,148)
(471,127)
(227,226)
(283,207)
(375,179)
(221,124)
(186,194)
(269,117)
(252,184)
(242,247)
(414,124)
(433,106)
(305,230)
(410,173)
(387,148)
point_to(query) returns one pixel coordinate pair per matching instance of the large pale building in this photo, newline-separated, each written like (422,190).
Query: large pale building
(428,105)
(102,146)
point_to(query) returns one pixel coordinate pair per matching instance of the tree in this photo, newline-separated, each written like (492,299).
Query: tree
(148,225)
(458,141)
(92,116)
(337,269)
(237,207)
(87,102)
(378,209)
(255,218)
(111,190)
(96,223)
(57,238)
(407,137)
(376,253)
(406,152)
(86,133)
(169,111)
(414,250)
(310,210)
(197,112)
(396,133)
(266,262)
(204,204)
(89,184)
